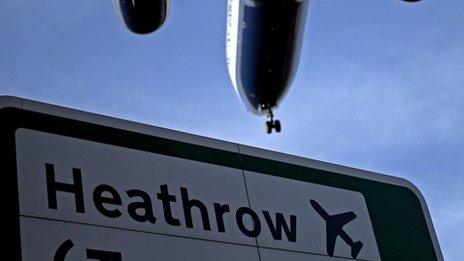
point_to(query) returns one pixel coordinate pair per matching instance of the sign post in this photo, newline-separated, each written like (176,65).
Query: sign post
(81,186)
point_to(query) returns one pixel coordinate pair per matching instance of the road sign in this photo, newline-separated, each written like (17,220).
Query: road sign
(81,186)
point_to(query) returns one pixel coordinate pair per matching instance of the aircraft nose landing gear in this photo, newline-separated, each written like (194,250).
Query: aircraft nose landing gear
(271,124)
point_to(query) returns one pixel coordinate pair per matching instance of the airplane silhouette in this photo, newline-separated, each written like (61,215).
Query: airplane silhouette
(334,228)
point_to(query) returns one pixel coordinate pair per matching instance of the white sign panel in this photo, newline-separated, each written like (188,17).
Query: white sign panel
(82,200)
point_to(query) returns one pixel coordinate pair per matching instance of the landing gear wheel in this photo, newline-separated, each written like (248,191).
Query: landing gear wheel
(277,126)
(273,125)
(269,127)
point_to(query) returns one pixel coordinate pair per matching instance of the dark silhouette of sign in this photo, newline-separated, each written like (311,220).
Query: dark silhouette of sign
(93,254)
(334,228)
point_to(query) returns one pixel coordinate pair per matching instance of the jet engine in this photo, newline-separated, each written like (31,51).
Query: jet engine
(142,16)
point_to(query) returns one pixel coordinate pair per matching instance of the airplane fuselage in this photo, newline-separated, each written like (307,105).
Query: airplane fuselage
(263,48)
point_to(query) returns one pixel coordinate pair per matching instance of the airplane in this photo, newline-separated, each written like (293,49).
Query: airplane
(334,228)
(263,45)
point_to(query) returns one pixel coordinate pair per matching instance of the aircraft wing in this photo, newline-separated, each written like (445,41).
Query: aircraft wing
(334,227)
(339,220)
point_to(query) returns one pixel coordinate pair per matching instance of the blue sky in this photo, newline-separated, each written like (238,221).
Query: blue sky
(380,84)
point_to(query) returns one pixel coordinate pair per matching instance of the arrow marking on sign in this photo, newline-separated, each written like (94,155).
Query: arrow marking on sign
(63,250)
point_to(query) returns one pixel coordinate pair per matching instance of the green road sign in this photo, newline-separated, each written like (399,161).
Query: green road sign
(81,186)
